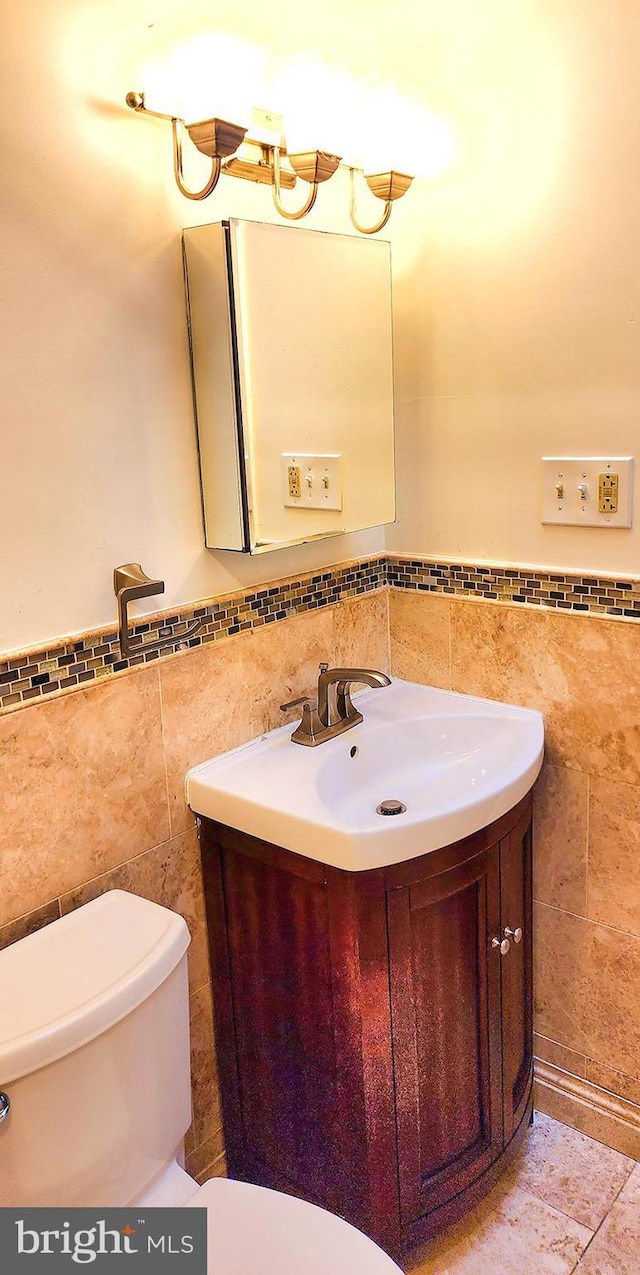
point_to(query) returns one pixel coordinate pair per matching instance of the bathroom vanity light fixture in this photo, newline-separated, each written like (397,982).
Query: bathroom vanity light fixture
(267,161)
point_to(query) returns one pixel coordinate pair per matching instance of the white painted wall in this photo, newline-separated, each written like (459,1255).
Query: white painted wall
(518,290)
(97,441)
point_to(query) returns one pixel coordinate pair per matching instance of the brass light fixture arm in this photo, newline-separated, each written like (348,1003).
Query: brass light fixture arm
(129,582)
(308,205)
(222,140)
(137,103)
(365,230)
(177,127)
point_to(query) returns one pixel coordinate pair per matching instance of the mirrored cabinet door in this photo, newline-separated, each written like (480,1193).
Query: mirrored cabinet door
(291,347)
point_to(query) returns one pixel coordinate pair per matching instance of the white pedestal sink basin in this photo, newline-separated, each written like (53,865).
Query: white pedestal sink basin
(455,762)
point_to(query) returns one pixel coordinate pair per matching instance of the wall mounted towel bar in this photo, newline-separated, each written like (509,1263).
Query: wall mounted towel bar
(129,582)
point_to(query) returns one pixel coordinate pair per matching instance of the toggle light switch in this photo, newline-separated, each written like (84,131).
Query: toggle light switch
(312,481)
(587,491)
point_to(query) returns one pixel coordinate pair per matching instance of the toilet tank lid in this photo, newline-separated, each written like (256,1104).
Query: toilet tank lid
(64,985)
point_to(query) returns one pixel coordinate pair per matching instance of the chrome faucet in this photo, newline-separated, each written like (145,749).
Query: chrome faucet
(333,711)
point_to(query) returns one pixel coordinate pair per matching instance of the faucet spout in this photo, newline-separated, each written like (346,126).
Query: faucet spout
(342,679)
(334,711)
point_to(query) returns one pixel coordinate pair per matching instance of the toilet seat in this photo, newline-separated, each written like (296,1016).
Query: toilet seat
(255,1231)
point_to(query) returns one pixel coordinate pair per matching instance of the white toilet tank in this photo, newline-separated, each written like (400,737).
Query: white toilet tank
(94,1054)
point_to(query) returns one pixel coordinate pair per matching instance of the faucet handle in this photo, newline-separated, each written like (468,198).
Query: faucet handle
(323,666)
(293,703)
(310,726)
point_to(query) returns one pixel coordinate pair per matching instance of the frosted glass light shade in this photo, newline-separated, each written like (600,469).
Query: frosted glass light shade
(320,101)
(210,76)
(401,134)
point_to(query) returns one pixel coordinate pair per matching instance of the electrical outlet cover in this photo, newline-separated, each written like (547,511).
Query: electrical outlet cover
(320,481)
(571,490)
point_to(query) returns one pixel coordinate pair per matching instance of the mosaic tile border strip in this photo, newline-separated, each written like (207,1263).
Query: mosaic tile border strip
(31,676)
(563,591)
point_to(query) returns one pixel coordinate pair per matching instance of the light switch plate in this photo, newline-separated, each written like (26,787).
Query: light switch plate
(571,490)
(320,480)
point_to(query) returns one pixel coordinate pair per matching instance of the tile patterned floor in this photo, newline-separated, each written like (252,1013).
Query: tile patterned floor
(568,1204)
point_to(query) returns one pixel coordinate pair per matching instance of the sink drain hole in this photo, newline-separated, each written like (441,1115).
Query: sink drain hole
(391,807)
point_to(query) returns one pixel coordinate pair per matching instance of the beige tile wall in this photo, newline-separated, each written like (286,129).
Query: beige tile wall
(583,673)
(92,789)
(92,794)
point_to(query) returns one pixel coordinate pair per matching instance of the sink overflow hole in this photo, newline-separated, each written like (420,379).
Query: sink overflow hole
(391,807)
(353,752)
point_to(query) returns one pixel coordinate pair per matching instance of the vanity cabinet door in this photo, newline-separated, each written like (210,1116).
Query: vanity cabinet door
(516,967)
(288,1120)
(446,1040)
(374,1043)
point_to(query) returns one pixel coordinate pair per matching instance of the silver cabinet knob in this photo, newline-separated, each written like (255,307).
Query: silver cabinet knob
(503,944)
(5,1106)
(516,934)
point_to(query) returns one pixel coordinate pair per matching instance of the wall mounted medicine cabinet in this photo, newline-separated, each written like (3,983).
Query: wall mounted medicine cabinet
(291,353)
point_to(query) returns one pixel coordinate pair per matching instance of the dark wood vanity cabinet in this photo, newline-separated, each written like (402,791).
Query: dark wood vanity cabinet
(374,1042)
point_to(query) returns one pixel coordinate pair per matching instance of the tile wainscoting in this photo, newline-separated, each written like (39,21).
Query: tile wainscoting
(583,674)
(66,665)
(532,586)
(92,787)
(29,675)
(92,774)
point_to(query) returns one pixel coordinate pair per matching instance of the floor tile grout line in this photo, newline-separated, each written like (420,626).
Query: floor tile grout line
(634,1164)
(556,1208)
(495,1210)
(603,1220)
(530,1190)
(590,1241)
